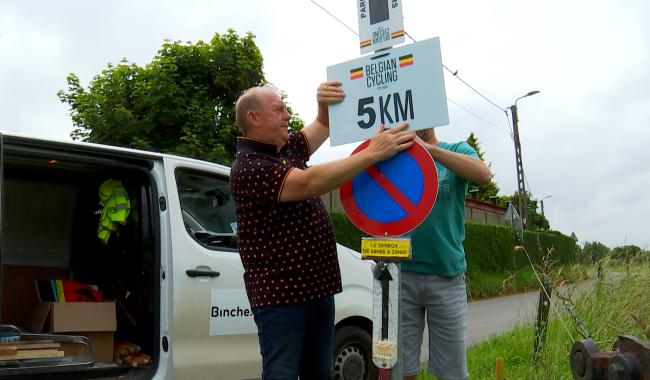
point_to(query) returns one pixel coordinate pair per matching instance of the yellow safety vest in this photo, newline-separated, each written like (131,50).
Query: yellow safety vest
(116,207)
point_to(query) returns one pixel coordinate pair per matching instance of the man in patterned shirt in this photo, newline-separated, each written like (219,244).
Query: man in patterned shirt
(286,241)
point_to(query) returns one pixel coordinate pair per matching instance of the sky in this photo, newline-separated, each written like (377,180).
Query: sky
(583,137)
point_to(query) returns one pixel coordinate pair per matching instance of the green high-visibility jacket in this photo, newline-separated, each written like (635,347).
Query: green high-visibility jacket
(116,207)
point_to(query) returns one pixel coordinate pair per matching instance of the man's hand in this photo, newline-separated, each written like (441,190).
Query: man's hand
(328,93)
(386,143)
(318,131)
(320,179)
(425,144)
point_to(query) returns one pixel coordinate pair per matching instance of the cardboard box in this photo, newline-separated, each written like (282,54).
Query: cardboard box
(19,296)
(96,320)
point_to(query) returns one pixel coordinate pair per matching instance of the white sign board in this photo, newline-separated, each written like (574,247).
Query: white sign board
(381,24)
(403,84)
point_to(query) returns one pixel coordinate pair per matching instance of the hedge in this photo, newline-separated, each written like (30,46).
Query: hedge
(488,247)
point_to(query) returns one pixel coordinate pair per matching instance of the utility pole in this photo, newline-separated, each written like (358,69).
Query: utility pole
(521,186)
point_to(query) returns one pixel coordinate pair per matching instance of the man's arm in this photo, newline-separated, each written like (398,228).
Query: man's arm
(320,179)
(468,167)
(318,131)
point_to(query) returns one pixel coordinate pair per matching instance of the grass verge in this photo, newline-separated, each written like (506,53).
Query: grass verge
(618,303)
(486,285)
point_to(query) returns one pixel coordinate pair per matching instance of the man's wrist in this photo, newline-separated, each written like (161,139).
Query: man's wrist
(434,151)
(325,121)
(322,116)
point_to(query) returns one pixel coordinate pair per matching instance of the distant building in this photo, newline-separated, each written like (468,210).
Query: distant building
(482,212)
(475,211)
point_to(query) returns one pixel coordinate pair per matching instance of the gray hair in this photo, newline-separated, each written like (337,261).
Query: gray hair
(249,100)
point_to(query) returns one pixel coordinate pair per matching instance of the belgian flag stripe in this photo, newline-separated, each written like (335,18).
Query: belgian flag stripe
(406,60)
(356,73)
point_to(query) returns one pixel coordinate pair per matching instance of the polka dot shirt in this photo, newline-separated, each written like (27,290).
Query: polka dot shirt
(287,248)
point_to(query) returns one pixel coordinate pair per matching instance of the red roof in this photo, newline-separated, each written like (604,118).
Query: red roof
(485,206)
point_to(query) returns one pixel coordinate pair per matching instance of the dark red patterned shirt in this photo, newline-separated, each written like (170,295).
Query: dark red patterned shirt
(287,248)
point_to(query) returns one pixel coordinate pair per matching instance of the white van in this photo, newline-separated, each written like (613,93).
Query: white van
(170,277)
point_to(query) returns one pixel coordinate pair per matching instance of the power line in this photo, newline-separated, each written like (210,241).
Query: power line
(335,18)
(512,132)
(530,191)
(454,73)
(478,117)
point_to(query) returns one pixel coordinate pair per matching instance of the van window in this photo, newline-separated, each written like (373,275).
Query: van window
(208,208)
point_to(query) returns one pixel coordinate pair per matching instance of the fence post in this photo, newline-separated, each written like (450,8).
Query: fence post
(543,307)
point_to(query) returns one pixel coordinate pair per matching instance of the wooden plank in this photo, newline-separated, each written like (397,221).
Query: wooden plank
(33,354)
(27,345)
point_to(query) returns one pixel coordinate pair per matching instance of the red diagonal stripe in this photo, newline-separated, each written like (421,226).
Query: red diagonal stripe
(391,189)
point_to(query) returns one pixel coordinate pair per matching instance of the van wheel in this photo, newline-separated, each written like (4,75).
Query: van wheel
(353,354)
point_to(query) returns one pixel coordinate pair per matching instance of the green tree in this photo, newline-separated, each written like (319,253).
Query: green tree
(489,190)
(593,251)
(536,221)
(574,237)
(627,252)
(183,102)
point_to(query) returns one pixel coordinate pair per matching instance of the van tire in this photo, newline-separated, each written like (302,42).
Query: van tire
(353,354)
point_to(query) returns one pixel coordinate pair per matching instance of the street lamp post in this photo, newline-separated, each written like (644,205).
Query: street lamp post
(541,203)
(521,186)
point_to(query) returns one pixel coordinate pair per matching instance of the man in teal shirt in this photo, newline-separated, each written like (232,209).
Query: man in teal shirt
(433,282)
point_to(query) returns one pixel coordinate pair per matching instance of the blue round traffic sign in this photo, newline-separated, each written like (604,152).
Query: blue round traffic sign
(393,196)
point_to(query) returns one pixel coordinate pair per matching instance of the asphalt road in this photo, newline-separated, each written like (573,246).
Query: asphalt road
(497,315)
(494,316)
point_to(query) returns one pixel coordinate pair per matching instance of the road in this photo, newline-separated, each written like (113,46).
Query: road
(494,316)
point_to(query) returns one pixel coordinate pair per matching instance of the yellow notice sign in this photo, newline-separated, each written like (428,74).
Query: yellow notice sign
(387,249)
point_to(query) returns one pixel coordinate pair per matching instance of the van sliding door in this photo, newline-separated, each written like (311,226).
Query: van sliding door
(213,327)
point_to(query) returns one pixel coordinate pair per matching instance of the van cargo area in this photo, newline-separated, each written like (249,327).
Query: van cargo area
(71,266)
(122,263)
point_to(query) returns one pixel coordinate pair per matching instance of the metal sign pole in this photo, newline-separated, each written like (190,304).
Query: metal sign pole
(386,88)
(386,335)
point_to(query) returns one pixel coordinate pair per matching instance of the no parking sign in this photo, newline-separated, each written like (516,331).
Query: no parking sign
(393,196)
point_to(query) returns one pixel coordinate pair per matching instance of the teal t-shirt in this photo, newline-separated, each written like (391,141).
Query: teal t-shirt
(437,243)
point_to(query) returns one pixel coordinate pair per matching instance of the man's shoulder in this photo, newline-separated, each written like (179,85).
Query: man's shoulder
(247,158)
(245,162)
(296,138)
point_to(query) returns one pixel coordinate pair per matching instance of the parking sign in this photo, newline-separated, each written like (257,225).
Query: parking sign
(403,84)
(381,24)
